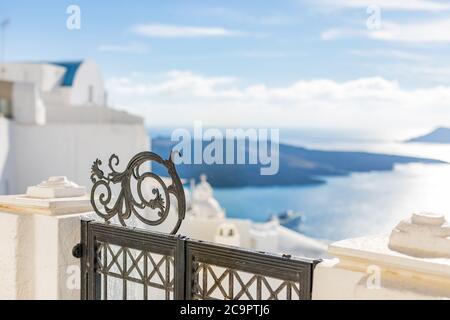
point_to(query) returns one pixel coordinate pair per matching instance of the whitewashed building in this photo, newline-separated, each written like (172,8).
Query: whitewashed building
(54,120)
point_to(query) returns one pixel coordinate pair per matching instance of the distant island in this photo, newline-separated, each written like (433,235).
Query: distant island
(439,135)
(297,166)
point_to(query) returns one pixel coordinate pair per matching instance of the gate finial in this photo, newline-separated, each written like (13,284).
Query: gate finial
(126,204)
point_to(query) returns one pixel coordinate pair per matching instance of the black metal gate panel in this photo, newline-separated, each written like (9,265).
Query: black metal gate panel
(123,263)
(135,264)
(228,273)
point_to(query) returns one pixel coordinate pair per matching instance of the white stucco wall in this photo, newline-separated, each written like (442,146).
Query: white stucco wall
(5,156)
(8,261)
(45,76)
(28,107)
(56,270)
(16,257)
(69,150)
(58,97)
(88,75)
(36,259)
(90,114)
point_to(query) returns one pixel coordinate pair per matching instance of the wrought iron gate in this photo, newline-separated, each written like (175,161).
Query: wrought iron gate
(128,263)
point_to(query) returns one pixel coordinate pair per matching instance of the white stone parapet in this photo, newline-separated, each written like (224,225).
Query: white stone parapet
(38,231)
(412,263)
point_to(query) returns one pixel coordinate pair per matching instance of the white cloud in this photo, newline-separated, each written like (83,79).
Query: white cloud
(401,5)
(255,54)
(373,104)
(440,72)
(126,48)
(242,17)
(427,72)
(389,54)
(176,31)
(337,33)
(437,31)
(434,31)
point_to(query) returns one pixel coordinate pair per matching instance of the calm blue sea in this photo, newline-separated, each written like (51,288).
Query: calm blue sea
(361,204)
(356,205)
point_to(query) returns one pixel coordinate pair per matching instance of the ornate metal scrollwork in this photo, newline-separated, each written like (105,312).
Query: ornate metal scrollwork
(126,204)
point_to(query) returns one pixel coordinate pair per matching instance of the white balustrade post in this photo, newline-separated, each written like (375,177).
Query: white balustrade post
(37,233)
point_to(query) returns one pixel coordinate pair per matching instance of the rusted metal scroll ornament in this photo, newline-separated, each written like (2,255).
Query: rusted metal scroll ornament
(126,203)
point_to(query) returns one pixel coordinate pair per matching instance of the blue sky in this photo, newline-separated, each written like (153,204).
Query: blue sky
(224,53)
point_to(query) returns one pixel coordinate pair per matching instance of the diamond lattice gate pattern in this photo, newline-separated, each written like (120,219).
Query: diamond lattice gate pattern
(129,273)
(124,263)
(226,273)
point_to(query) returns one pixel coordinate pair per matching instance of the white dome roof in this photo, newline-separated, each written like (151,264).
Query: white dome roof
(203,202)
